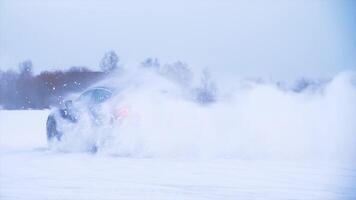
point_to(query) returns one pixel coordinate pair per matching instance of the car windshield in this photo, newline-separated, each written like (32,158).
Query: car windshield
(97,95)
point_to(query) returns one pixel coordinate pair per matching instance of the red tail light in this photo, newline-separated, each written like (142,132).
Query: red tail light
(121,113)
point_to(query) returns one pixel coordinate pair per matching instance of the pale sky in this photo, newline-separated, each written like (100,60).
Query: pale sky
(274,38)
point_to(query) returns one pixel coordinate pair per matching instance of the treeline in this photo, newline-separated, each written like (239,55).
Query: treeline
(23,90)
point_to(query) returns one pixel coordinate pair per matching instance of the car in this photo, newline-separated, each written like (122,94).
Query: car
(90,105)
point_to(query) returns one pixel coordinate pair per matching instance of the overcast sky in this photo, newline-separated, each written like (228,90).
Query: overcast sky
(274,39)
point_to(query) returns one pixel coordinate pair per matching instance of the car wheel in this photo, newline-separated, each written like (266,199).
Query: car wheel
(51,126)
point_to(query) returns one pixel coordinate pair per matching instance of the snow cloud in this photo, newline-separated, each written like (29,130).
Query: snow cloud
(253,120)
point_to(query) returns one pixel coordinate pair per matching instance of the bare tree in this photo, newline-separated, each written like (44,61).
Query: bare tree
(178,71)
(151,63)
(26,68)
(206,92)
(109,62)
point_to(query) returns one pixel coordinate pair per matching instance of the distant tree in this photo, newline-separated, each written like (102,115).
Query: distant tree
(206,92)
(109,62)
(78,69)
(24,85)
(306,84)
(8,92)
(151,63)
(301,85)
(23,90)
(26,68)
(178,71)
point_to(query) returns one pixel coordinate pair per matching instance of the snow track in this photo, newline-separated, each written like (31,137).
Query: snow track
(30,171)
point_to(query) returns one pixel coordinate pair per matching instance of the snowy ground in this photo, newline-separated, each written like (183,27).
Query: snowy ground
(29,171)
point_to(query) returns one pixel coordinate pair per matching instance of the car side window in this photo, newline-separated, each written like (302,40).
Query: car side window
(100,95)
(96,95)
